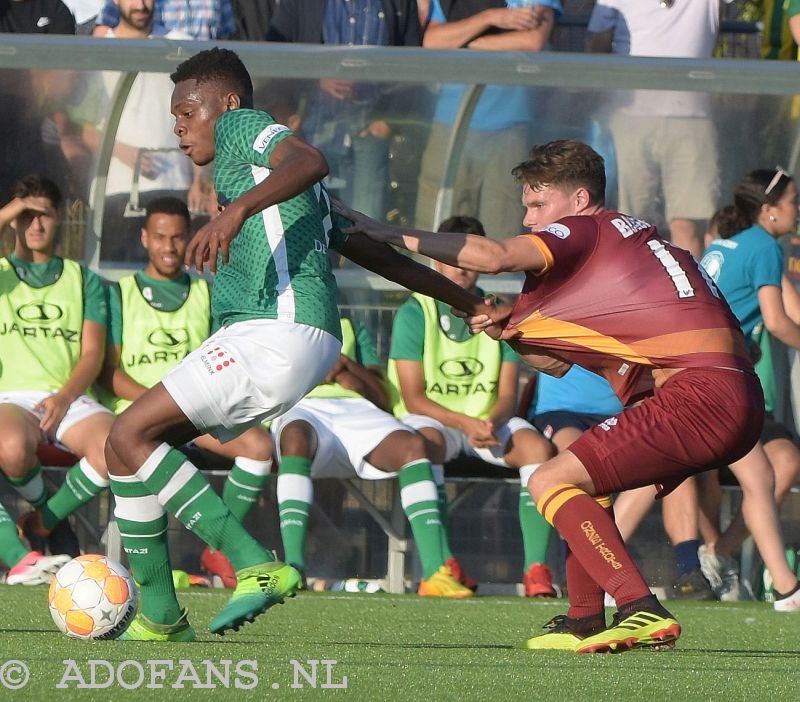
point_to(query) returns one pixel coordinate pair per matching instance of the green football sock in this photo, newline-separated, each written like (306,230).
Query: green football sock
(437,469)
(184,492)
(535,530)
(12,550)
(295,497)
(421,506)
(31,486)
(143,527)
(244,484)
(80,485)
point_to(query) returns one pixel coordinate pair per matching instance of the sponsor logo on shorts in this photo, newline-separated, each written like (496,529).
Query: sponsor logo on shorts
(599,545)
(610,422)
(216,360)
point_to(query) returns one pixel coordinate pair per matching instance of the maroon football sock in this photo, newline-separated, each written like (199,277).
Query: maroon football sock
(586,597)
(594,541)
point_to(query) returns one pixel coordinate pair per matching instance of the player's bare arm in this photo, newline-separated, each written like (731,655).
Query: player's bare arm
(474,253)
(367,382)
(55,406)
(384,260)
(114,379)
(39,205)
(295,166)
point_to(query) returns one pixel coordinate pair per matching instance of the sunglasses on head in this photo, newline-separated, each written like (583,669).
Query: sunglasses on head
(779,173)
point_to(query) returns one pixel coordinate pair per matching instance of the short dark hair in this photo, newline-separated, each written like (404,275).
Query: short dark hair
(35,185)
(217,65)
(566,162)
(169,206)
(462,224)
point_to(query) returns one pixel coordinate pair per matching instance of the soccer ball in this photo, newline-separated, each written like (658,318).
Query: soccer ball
(92,597)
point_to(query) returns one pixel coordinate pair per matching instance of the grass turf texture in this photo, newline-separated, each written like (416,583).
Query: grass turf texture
(408,648)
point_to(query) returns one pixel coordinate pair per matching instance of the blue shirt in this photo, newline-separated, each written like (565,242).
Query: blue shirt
(579,391)
(201,19)
(740,266)
(500,106)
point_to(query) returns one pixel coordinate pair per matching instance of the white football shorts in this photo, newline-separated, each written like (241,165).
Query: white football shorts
(83,407)
(457,444)
(250,372)
(347,429)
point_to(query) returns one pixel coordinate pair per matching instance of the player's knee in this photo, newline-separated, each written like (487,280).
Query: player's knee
(296,438)
(542,480)
(258,445)
(414,446)
(17,454)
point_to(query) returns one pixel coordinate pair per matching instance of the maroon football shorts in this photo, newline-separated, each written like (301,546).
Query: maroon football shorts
(700,419)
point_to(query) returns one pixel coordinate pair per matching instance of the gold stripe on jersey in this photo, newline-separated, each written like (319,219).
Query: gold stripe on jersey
(537,326)
(717,340)
(545,251)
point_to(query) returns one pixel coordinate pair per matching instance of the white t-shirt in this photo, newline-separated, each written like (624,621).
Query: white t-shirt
(687,29)
(146,123)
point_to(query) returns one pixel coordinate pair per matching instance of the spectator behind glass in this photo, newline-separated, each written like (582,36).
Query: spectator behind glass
(666,143)
(146,163)
(253,18)
(35,17)
(349,121)
(200,19)
(500,126)
(746,263)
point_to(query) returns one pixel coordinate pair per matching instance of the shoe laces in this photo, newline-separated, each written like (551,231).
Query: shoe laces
(558,625)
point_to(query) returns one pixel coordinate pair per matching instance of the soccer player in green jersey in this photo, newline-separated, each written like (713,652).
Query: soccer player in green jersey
(275,299)
(156,317)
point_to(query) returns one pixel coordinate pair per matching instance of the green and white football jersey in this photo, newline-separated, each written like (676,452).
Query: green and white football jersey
(278,266)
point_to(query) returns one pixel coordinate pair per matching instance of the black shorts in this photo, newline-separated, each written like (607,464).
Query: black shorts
(548,423)
(774,429)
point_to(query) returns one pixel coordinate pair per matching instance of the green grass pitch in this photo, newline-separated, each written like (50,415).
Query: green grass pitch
(392,647)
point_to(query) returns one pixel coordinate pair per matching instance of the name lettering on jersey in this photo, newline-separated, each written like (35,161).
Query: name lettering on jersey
(320,247)
(144,359)
(71,336)
(679,278)
(461,388)
(628,226)
(266,136)
(560,230)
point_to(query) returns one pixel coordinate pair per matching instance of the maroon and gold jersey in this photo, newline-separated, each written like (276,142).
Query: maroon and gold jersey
(617,299)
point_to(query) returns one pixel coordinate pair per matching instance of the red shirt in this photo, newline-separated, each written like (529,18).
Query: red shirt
(617,299)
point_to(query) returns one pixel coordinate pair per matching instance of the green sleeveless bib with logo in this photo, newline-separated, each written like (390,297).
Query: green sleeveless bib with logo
(334,390)
(461,376)
(155,341)
(40,329)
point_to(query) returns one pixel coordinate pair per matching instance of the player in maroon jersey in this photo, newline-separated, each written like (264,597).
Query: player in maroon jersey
(604,291)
